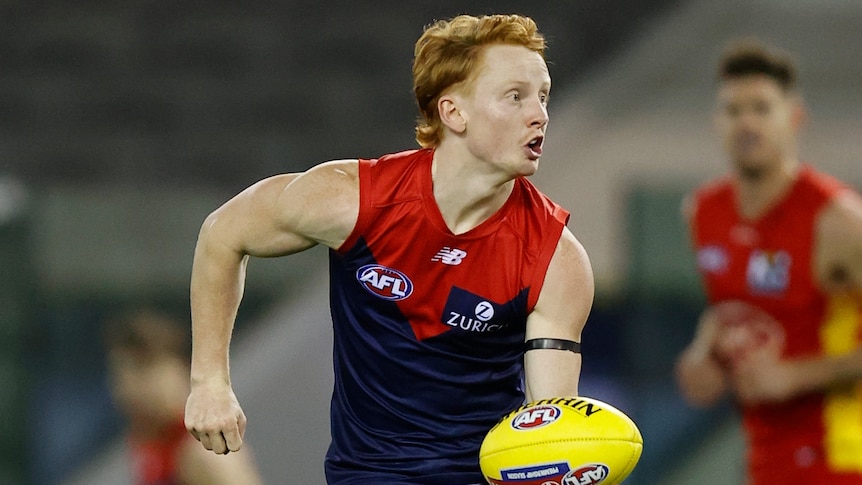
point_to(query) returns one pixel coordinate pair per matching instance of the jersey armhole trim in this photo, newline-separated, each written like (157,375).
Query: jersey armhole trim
(366,192)
(557,222)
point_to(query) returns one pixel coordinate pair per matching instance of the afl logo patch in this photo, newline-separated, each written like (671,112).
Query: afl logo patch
(536,417)
(387,283)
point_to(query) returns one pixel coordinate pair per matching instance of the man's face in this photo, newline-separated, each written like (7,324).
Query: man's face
(758,122)
(148,389)
(505,108)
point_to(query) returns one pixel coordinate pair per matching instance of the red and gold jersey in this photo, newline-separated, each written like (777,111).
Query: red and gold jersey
(768,262)
(154,461)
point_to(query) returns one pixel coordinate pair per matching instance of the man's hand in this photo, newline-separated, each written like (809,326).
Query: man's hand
(763,377)
(700,375)
(215,418)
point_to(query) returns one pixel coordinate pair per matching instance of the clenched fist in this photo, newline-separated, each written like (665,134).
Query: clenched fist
(214,417)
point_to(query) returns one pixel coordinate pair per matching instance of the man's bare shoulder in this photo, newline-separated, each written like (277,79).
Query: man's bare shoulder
(843,216)
(570,276)
(323,202)
(839,244)
(330,179)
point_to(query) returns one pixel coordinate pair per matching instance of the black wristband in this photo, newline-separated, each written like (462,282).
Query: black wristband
(553,343)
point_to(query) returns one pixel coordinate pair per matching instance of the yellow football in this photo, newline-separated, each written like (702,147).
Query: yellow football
(561,441)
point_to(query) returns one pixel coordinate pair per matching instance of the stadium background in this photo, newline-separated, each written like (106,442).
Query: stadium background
(122,124)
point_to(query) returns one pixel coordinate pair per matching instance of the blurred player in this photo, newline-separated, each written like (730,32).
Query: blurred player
(148,363)
(443,262)
(779,248)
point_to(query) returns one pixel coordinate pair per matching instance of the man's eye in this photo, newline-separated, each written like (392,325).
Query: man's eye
(762,108)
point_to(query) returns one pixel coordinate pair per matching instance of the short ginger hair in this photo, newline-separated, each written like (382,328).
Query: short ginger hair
(447,54)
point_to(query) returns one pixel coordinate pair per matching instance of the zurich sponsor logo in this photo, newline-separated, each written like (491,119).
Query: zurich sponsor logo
(587,475)
(387,283)
(472,313)
(536,417)
(484,311)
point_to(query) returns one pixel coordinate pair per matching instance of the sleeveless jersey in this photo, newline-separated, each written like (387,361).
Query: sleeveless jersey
(768,262)
(429,326)
(154,461)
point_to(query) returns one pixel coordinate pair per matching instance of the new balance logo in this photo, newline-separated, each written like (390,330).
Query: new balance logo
(450,256)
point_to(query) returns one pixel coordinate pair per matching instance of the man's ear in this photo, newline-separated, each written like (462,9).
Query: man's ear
(799,113)
(451,114)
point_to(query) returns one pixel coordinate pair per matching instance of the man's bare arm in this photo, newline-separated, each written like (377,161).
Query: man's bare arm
(280,215)
(561,312)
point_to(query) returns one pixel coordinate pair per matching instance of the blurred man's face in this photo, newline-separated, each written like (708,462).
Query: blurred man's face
(150,390)
(758,122)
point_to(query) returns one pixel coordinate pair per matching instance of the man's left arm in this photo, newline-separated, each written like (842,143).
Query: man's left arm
(559,316)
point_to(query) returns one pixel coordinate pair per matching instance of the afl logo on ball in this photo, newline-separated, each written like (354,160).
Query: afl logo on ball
(387,283)
(587,475)
(536,417)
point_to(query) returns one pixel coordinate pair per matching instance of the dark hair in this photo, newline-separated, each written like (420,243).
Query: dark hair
(149,333)
(749,57)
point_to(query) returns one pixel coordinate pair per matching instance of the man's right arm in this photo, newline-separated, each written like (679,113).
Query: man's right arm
(213,415)
(280,215)
(699,375)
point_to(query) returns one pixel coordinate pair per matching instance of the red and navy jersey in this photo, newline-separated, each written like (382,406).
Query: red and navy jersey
(429,326)
(769,262)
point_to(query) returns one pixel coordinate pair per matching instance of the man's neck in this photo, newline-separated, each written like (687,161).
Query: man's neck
(467,193)
(757,195)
